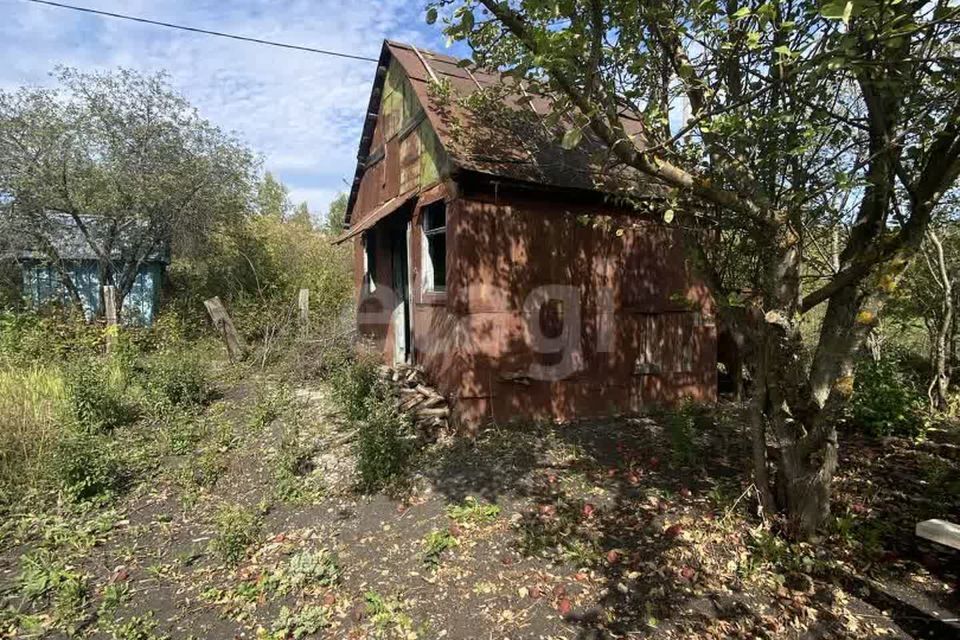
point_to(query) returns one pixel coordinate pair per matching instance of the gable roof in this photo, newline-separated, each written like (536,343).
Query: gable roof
(489,124)
(69,241)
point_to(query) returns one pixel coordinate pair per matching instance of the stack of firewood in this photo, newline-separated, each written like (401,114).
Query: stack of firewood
(416,398)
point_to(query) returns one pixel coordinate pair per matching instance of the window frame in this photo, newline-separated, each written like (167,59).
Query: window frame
(428,270)
(369,262)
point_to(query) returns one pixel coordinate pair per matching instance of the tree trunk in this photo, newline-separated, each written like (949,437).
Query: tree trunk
(940,383)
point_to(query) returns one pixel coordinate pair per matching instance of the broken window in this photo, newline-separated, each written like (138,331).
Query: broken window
(435,247)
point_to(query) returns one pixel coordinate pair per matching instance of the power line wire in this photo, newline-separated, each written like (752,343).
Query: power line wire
(219,34)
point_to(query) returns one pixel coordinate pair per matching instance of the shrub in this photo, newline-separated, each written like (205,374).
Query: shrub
(681,427)
(886,401)
(31,337)
(353,384)
(176,377)
(86,467)
(236,529)
(97,392)
(384,442)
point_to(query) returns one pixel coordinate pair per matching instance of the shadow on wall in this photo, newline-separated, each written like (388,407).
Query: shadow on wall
(565,310)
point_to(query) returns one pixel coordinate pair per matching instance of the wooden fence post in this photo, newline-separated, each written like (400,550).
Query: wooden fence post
(110,312)
(236,348)
(304,304)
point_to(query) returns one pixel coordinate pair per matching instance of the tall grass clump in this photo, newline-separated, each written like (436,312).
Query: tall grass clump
(33,403)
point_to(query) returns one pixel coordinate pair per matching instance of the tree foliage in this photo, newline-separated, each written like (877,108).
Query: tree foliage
(121,149)
(768,123)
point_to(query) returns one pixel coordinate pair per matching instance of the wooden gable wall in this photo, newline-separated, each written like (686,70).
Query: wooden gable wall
(405,153)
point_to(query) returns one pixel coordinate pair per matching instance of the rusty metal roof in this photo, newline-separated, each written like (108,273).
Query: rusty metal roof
(489,123)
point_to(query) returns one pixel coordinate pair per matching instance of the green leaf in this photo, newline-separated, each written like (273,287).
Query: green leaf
(837,10)
(571,138)
(784,50)
(431,15)
(466,23)
(753,39)
(466,62)
(741,13)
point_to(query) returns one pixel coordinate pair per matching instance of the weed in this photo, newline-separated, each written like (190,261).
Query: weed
(473,512)
(44,575)
(98,394)
(435,543)
(388,616)
(292,463)
(86,467)
(305,622)
(204,472)
(176,378)
(136,628)
(32,404)
(270,405)
(680,427)
(384,444)
(309,568)
(236,529)
(353,384)
(545,532)
(113,596)
(581,552)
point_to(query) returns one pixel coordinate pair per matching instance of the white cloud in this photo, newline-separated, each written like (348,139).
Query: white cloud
(302,111)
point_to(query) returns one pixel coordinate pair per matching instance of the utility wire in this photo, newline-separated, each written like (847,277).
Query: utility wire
(219,34)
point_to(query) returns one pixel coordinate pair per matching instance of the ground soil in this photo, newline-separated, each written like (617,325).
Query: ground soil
(601,530)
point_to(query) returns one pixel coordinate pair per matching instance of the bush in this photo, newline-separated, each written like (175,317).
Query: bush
(176,377)
(97,393)
(385,441)
(353,383)
(86,467)
(886,400)
(236,529)
(32,337)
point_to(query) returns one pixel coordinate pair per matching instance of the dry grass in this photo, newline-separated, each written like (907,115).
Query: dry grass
(32,406)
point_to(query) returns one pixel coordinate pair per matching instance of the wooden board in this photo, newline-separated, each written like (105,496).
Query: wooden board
(940,531)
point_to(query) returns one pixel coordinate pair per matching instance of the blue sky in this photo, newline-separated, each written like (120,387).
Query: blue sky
(303,112)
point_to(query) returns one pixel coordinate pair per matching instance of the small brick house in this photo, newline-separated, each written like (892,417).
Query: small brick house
(501,263)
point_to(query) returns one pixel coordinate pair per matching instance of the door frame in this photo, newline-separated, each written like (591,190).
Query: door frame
(400,269)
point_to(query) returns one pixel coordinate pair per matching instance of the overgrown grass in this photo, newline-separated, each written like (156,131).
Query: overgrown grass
(32,405)
(59,415)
